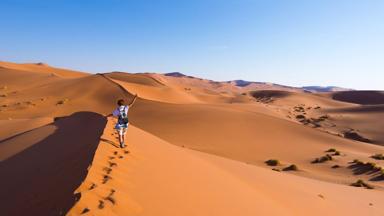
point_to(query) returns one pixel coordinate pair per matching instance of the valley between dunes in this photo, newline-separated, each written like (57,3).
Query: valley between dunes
(195,146)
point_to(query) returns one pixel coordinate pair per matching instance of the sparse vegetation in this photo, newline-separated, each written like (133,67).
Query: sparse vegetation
(322,118)
(299,109)
(291,167)
(378,156)
(331,150)
(361,167)
(323,159)
(336,153)
(355,136)
(356,161)
(272,162)
(361,183)
(61,102)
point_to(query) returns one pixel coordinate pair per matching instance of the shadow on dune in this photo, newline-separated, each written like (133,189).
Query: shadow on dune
(360,97)
(41,179)
(360,109)
(270,93)
(359,169)
(268,96)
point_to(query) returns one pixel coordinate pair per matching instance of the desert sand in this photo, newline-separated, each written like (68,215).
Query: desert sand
(195,146)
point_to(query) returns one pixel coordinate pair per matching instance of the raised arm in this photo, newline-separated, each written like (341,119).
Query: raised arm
(133,101)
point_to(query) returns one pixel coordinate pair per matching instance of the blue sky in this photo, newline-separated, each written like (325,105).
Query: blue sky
(291,42)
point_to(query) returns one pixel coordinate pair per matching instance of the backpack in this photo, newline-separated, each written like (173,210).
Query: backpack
(123,117)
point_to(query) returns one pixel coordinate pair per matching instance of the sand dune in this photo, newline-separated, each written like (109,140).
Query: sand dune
(63,97)
(17,126)
(196,147)
(157,178)
(42,68)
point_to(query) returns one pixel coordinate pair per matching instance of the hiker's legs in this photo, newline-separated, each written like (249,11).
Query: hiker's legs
(122,132)
(121,139)
(121,136)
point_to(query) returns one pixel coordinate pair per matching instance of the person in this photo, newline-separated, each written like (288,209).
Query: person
(121,112)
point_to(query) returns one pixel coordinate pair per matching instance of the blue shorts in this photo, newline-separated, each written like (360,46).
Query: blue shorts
(121,128)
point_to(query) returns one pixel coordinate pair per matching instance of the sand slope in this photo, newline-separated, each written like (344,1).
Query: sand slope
(156,178)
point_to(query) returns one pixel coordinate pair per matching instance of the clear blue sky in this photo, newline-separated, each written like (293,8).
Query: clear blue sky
(291,42)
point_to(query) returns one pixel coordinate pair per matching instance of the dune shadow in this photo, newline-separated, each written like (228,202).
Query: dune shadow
(42,179)
(268,96)
(359,169)
(367,168)
(379,177)
(360,97)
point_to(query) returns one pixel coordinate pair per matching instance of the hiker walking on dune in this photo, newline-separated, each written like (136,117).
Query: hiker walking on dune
(121,112)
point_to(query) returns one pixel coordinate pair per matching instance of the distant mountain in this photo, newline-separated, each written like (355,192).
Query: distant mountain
(325,88)
(175,74)
(240,83)
(178,74)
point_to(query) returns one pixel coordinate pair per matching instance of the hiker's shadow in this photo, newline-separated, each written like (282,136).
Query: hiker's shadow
(110,142)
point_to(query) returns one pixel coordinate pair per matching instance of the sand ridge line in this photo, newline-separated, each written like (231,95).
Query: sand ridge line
(99,185)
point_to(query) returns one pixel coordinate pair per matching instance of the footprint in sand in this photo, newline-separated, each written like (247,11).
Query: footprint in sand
(115,152)
(110,197)
(106,178)
(111,157)
(85,210)
(101,204)
(112,164)
(107,170)
(121,157)
(126,152)
(93,186)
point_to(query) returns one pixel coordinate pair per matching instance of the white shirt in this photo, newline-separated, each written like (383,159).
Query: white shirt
(119,109)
